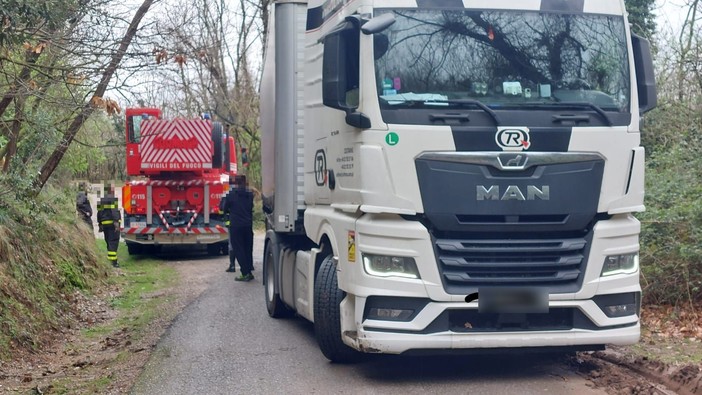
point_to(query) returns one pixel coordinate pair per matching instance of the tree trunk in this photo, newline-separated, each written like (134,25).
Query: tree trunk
(14,133)
(24,76)
(88,108)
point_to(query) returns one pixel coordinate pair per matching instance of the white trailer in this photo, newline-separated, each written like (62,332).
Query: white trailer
(454,174)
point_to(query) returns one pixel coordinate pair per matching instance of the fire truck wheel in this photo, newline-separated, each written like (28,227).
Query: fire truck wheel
(217,145)
(275,306)
(217,248)
(327,315)
(135,248)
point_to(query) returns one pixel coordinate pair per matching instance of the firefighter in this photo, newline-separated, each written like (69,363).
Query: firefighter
(109,218)
(85,210)
(238,203)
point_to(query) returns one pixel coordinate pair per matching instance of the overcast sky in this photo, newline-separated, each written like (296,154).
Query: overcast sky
(671,13)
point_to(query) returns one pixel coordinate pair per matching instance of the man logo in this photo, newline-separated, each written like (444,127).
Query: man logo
(513,139)
(513,192)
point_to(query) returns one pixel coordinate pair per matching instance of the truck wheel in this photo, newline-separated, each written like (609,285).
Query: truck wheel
(227,153)
(135,248)
(275,306)
(327,315)
(217,145)
(214,249)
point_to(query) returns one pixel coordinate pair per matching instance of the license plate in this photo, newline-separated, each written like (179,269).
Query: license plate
(512,300)
(137,224)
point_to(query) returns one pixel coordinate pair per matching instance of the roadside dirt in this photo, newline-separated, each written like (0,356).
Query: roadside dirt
(666,360)
(73,364)
(619,372)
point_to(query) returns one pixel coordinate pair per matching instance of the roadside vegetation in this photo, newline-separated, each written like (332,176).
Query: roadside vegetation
(143,296)
(672,224)
(55,283)
(46,257)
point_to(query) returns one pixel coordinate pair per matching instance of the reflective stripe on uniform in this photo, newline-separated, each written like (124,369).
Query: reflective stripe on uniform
(106,206)
(107,222)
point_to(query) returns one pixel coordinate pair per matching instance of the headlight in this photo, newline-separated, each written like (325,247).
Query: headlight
(620,264)
(390,266)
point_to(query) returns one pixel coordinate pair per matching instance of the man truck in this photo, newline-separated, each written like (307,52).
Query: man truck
(179,170)
(454,174)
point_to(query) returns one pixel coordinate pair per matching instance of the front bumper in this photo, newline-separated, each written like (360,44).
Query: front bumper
(176,237)
(399,343)
(441,326)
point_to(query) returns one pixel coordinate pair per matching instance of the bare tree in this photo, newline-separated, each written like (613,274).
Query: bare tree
(205,58)
(78,121)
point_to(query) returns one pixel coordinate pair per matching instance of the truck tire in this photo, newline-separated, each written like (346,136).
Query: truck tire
(217,145)
(327,315)
(135,248)
(275,306)
(227,153)
(218,249)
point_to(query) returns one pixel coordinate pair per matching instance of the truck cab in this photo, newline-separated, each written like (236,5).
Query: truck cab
(456,176)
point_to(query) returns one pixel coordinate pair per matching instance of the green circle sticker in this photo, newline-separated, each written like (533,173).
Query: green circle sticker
(392,138)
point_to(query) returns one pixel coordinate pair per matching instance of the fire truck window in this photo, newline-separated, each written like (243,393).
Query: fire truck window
(135,129)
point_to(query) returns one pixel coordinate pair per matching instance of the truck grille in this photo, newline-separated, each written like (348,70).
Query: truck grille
(466,264)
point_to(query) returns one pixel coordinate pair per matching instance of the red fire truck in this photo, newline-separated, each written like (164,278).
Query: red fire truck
(179,170)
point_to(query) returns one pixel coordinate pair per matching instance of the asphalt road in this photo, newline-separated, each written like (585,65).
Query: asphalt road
(225,343)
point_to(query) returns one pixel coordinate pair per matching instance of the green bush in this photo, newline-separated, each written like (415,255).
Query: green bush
(671,237)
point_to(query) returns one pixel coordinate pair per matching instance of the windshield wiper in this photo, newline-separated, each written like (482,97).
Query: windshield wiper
(569,104)
(476,103)
(592,106)
(460,102)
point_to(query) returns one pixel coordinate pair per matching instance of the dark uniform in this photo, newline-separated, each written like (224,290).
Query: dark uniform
(239,204)
(108,218)
(84,209)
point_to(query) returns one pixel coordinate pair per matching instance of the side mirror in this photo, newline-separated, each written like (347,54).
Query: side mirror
(358,120)
(645,76)
(340,71)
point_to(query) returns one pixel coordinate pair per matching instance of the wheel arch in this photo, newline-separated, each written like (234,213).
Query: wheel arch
(272,237)
(327,243)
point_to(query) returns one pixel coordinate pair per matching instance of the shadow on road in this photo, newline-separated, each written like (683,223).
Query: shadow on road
(179,253)
(490,366)
(392,368)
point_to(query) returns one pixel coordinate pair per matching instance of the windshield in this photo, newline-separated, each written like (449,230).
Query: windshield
(502,59)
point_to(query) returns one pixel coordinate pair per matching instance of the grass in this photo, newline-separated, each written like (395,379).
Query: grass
(67,386)
(45,257)
(669,350)
(142,277)
(138,304)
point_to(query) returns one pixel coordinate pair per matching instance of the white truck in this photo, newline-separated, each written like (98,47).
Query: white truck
(454,174)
